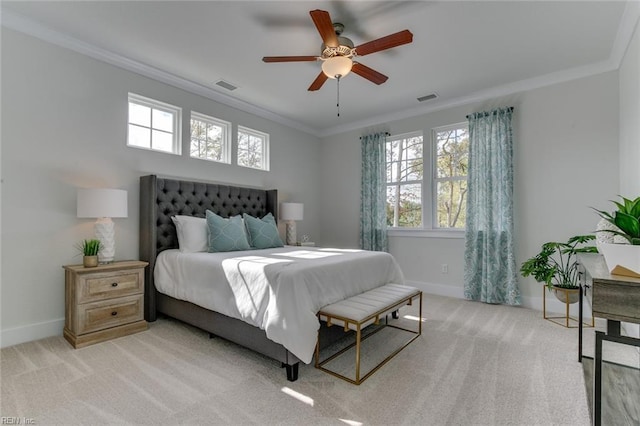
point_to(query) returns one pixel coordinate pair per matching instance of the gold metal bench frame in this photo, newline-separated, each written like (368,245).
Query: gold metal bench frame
(408,300)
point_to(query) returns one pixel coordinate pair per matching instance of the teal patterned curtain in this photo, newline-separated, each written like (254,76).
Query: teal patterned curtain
(490,269)
(373,216)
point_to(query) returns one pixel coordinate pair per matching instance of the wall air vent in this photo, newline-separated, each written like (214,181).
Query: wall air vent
(427,97)
(226,85)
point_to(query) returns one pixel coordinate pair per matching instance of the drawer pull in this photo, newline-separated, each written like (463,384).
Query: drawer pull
(114,284)
(114,313)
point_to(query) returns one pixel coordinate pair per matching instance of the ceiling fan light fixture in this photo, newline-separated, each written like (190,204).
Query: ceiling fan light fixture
(337,66)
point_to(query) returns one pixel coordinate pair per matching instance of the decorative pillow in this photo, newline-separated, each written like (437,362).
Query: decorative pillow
(192,233)
(263,233)
(226,234)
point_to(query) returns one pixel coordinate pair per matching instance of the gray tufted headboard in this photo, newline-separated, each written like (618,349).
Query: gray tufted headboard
(162,198)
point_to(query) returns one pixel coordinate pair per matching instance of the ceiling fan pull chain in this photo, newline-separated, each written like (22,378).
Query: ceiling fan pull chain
(338,104)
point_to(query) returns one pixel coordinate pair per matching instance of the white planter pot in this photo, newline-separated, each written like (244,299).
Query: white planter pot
(622,259)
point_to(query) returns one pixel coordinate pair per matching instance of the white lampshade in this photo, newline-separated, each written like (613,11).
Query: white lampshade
(103,204)
(337,66)
(291,211)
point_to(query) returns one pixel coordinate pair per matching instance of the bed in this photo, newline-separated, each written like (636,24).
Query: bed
(284,296)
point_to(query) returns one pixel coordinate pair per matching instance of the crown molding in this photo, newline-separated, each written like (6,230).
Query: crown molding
(35,29)
(628,23)
(482,95)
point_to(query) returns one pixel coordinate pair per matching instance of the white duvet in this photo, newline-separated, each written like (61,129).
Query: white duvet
(279,290)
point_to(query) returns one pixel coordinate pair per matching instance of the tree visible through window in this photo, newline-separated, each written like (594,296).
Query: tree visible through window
(253,148)
(404,161)
(439,201)
(450,175)
(210,138)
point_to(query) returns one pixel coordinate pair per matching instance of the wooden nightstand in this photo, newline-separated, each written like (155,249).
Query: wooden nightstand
(104,302)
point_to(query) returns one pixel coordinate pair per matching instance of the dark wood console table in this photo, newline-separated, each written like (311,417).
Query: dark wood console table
(613,297)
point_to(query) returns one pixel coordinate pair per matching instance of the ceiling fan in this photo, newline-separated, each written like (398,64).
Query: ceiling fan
(337,52)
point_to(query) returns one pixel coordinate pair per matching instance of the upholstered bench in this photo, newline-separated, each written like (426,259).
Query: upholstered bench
(362,310)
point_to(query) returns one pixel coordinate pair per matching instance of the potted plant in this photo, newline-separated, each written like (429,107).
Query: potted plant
(623,259)
(556,265)
(89,250)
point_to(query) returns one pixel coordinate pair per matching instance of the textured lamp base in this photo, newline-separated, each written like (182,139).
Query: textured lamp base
(106,233)
(291,233)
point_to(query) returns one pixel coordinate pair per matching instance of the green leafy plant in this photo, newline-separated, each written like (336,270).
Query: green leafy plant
(556,264)
(89,247)
(626,218)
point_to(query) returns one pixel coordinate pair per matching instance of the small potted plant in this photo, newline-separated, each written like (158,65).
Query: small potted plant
(89,250)
(556,265)
(623,259)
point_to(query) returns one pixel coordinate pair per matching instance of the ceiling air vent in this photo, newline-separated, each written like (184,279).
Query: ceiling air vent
(226,85)
(427,97)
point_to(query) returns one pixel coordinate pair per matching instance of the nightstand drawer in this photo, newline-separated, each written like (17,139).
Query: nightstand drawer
(107,285)
(100,315)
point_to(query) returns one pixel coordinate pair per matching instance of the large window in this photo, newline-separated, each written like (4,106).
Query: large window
(405,173)
(210,138)
(253,148)
(153,125)
(427,180)
(451,155)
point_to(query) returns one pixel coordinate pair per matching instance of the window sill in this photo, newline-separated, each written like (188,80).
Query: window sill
(425,233)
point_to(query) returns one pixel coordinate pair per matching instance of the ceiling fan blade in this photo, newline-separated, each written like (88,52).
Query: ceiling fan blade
(392,40)
(289,58)
(369,73)
(325,27)
(318,82)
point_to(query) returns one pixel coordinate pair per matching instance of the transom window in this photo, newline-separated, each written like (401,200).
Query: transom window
(253,148)
(210,138)
(153,125)
(404,163)
(451,156)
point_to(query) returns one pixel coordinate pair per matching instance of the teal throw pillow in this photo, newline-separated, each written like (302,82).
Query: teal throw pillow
(226,234)
(263,233)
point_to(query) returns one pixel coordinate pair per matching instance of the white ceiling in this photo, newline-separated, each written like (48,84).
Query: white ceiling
(460,50)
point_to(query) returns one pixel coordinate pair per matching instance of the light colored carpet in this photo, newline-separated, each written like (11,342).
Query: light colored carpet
(475,364)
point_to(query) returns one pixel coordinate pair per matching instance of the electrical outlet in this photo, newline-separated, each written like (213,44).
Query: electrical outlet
(445,268)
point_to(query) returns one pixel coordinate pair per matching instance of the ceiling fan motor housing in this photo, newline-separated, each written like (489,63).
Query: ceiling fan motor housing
(344,49)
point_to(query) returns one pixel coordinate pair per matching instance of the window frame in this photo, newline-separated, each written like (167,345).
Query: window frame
(264,137)
(429,227)
(411,182)
(226,136)
(435,179)
(175,111)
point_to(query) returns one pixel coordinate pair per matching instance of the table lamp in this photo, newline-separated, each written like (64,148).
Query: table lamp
(290,212)
(103,204)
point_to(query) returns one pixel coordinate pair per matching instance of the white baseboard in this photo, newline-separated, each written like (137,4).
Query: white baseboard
(438,289)
(28,333)
(554,306)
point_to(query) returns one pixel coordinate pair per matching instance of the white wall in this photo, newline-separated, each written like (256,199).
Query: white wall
(63,127)
(630,131)
(630,119)
(565,160)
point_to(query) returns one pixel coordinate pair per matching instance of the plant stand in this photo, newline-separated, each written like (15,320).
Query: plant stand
(566,320)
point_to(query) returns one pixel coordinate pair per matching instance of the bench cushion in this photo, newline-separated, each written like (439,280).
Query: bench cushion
(360,307)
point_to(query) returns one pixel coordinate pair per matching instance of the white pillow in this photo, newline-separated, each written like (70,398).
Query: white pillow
(192,233)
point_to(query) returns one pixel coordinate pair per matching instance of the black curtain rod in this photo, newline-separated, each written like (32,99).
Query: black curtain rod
(488,113)
(386,133)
